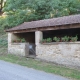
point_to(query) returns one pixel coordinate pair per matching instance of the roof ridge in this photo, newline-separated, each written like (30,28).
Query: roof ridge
(55,18)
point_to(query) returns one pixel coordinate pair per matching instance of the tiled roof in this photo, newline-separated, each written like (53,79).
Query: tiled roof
(72,19)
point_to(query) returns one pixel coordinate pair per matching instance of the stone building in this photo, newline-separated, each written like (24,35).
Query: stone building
(67,53)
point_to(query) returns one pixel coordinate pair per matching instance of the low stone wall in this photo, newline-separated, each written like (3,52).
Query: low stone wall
(66,53)
(18,49)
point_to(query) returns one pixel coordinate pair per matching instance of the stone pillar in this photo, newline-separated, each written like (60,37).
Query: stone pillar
(38,37)
(11,37)
(9,41)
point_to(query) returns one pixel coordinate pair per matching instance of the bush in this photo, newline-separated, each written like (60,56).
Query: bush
(49,40)
(65,38)
(56,39)
(73,39)
(3,42)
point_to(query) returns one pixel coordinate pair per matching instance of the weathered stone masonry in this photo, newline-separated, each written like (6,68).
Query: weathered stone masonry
(67,53)
(17,48)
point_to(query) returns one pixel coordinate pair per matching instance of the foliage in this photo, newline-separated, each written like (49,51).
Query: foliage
(56,39)
(23,40)
(73,39)
(2,3)
(65,38)
(44,41)
(19,40)
(19,11)
(49,40)
(3,42)
(1,23)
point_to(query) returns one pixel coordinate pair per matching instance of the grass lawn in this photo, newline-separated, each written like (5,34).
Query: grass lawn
(40,65)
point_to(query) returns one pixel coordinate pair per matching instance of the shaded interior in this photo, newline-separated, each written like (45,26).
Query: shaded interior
(29,36)
(61,33)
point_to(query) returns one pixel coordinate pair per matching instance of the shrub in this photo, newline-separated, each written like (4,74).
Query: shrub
(44,41)
(49,40)
(65,38)
(19,40)
(56,39)
(73,39)
(23,40)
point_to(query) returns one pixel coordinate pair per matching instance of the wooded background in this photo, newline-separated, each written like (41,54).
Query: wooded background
(15,12)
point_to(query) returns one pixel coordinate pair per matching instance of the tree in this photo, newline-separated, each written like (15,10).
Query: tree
(19,11)
(44,7)
(2,3)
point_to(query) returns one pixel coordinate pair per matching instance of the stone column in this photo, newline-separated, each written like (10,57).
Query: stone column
(9,41)
(11,37)
(38,37)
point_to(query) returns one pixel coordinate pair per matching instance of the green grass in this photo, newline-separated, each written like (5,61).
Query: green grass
(40,65)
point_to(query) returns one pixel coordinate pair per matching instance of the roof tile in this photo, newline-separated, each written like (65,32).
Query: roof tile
(72,19)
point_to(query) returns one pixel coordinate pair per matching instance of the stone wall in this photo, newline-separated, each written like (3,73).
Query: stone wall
(66,53)
(20,49)
(62,53)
